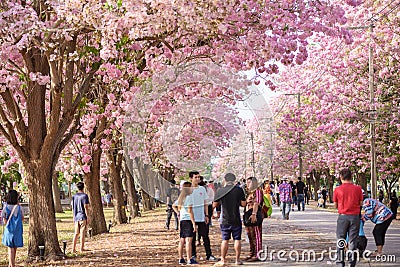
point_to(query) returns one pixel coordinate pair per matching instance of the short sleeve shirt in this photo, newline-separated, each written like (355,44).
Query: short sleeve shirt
(199,195)
(230,197)
(348,197)
(78,206)
(184,214)
(284,190)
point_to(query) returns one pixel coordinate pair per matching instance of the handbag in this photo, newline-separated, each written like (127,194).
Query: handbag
(247,220)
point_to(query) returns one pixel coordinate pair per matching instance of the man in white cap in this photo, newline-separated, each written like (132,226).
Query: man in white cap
(285,194)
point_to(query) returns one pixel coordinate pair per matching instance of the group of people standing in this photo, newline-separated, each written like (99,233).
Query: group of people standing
(194,210)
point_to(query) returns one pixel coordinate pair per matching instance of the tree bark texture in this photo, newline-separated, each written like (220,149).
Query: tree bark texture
(56,194)
(133,201)
(97,221)
(115,167)
(362,180)
(317,184)
(42,223)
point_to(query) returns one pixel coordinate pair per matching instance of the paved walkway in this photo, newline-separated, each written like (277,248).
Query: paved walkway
(314,230)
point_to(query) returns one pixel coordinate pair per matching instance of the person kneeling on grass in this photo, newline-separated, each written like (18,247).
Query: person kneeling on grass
(184,208)
(381,216)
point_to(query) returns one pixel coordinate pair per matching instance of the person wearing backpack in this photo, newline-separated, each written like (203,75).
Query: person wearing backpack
(12,216)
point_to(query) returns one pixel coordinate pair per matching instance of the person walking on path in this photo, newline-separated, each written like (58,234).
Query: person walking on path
(12,216)
(258,200)
(278,199)
(184,207)
(294,196)
(394,204)
(324,194)
(300,189)
(108,198)
(201,216)
(172,195)
(80,206)
(381,216)
(157,195)
(285,194)
(230,198)
(347,199)
(306,195)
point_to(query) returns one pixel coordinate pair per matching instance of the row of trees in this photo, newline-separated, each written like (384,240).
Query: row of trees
(332,121)
(71,71)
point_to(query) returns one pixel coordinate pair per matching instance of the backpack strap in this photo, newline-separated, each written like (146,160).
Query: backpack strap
(9,217)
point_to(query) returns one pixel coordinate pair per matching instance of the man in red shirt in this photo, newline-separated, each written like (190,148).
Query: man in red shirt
(348,200)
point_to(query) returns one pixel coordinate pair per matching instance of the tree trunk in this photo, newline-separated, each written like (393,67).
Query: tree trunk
(146,201)
(115,166)
(144,172)
(97,221)
(317,177)
(331,180)
(133,201)
(56,194)
(362,180)
(69,190)
(42,223)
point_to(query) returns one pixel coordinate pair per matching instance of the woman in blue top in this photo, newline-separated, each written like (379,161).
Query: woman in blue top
(184,208)
(382,216)
(12,216)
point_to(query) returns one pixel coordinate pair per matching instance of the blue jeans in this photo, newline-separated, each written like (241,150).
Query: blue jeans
(285,210)
(300,198)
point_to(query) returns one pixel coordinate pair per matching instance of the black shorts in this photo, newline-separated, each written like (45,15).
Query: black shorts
(186,229)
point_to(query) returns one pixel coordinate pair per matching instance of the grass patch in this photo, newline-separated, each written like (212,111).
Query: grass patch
(65,231)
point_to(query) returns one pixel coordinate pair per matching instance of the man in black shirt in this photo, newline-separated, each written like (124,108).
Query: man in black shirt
(172,196)
(230,197)
(300,193)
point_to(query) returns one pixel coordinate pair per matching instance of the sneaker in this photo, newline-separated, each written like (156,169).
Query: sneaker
(182,261)
(193,261)
(212,258)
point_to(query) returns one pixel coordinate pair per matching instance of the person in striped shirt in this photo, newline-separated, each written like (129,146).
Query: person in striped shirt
(381,216)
